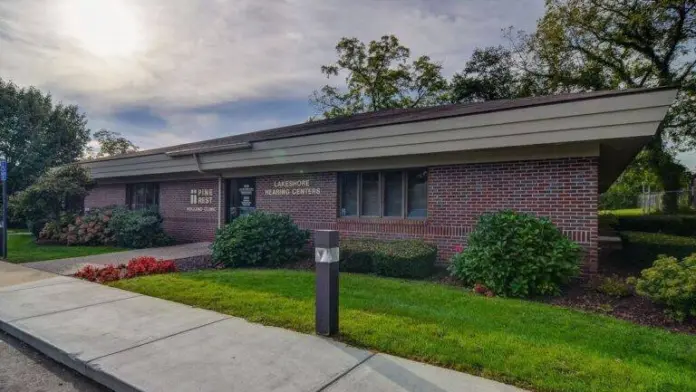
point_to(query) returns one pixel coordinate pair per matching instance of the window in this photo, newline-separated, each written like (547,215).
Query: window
(393,194)
(417,194)
(370,194)
(142,196)
(349,194)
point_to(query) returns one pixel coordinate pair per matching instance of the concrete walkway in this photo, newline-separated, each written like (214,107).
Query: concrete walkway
(132,342)
(71,265)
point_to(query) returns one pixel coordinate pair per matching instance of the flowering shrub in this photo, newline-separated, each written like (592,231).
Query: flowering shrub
(145,265)
(672,283)
(105,274)
(138,266)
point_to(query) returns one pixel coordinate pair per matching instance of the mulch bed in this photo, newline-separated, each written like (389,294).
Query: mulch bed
(636,309)
(582,295)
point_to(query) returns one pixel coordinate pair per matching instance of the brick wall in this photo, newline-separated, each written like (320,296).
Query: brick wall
(184,221)
(563,189)
(106,195)
(311,205)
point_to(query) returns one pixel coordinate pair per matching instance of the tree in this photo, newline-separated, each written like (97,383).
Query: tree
(490,74)
(378,76)
(112,143)
(608,44)
(56,192)
(36,134)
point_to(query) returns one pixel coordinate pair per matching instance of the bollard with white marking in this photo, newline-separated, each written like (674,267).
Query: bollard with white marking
(326,256)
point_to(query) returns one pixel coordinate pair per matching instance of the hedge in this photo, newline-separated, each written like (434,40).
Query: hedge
(357,255)
(683,225)
(413,259)
(642,249)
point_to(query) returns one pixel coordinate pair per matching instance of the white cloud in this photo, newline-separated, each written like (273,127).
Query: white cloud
(191,53)
(176,54)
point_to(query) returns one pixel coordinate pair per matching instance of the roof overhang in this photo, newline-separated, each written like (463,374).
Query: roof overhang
(616,125)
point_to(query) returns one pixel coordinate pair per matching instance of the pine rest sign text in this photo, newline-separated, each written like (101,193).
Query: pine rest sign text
(292,188)
(201,199)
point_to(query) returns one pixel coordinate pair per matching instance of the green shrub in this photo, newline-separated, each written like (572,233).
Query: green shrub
(614,286)
(59,190)
(641,249)
(259,239)
(607,222)
(138,228)
(357,255)
(517,254)
(682,225)
(672,283)
(412,259)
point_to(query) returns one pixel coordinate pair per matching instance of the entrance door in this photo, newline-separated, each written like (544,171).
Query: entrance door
(241,197)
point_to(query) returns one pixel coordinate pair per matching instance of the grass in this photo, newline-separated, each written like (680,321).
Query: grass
(625,212)
(528,344)
(21,248)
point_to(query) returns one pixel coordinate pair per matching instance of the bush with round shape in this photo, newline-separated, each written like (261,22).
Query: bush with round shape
(517,255)
(138,228)
(259,239)
(671,283)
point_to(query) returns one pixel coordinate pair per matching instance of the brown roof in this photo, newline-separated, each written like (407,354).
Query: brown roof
(389,117)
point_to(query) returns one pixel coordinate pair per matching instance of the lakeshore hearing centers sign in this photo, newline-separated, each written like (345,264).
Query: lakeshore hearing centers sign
(292,188)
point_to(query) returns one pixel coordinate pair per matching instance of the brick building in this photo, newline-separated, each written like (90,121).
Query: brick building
(415,173)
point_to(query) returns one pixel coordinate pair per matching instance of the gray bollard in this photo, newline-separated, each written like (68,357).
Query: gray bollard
(326,256)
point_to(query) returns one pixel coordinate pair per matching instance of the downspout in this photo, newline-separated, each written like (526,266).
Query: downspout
(219,201)
(219,177)
(198,164)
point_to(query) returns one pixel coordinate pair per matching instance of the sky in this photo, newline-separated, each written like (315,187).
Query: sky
(165,72)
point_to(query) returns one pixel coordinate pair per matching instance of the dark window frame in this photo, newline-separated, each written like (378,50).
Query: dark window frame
(381,196)
(131,197)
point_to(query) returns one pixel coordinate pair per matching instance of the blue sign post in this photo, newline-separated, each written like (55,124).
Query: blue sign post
(3,239)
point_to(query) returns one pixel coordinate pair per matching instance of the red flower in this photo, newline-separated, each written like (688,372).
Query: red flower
(138,266)
(458,248)
(480,289)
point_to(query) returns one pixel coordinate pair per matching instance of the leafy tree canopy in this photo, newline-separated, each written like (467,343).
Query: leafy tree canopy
(490,74)
(609,44)
(379,76)
(36,133)
(111,143)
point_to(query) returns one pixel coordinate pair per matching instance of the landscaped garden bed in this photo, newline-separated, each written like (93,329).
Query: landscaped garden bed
(139,266)
(529,344)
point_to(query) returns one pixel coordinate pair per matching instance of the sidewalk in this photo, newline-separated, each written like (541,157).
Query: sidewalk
(132,342)
(186,256)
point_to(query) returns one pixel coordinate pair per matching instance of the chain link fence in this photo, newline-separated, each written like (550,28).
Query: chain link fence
(654,201)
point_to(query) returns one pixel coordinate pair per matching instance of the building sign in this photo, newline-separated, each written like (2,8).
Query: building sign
(292,188)
(247,193)
(201,198)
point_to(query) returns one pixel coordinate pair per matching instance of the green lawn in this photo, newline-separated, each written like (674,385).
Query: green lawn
(528,344)
(21,248)
(625,212)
